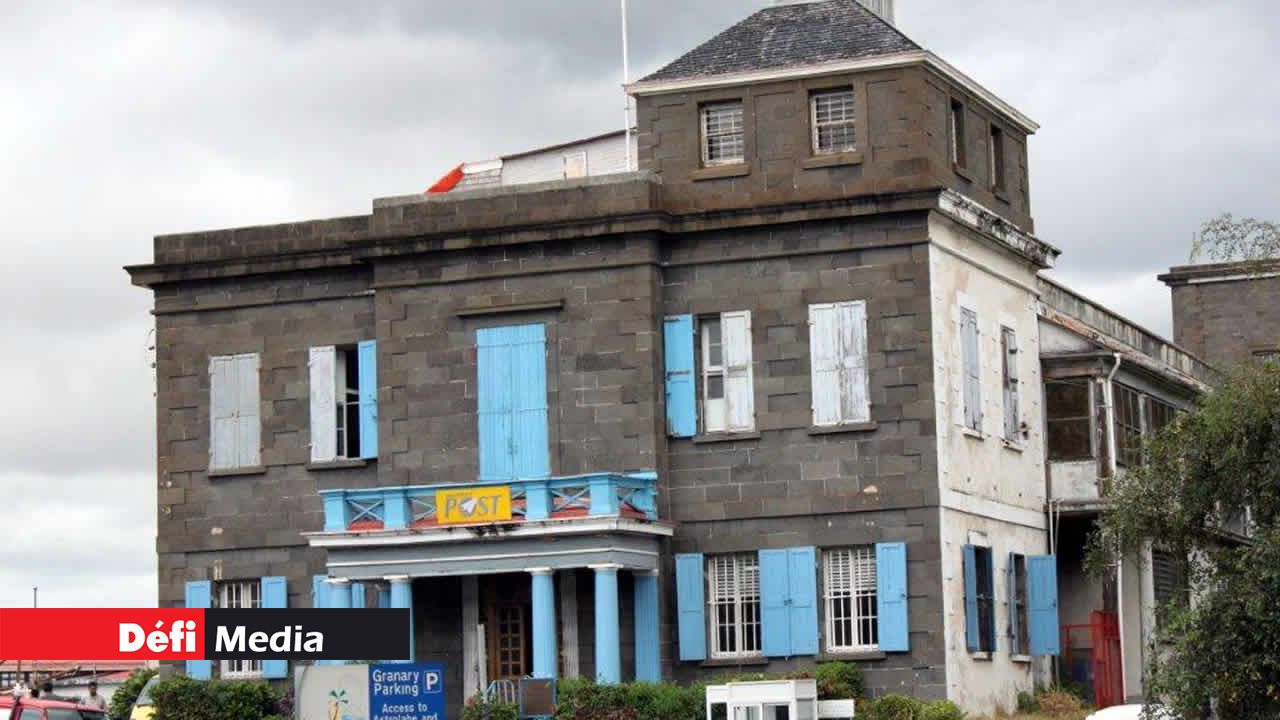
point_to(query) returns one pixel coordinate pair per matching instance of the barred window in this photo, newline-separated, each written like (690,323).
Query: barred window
(734,598)
(832,119)
(849,589)
(722,133)
(240,595)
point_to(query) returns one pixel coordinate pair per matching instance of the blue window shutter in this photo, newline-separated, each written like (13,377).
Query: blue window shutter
(971,599)
(691,606)
(319,591)
(495,402)
(199,594)
(682,414)
(775,595)
(1042,604)
(275,594)
(1011,592)
(531,451)
(891,597)
(367,367)
(802,571)
(989,570)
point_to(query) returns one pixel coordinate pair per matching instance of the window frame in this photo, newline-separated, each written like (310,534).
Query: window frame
(705,133)
(746,608)
(862,623)
(707,371)
(727,373)
(346,397)
(844,380)
(239,669)
(997,159)
(984,598)
(967,313)
(956,133)
(816,126)
(1019,606)
(1129,431)
(1089,417)
(1009,382)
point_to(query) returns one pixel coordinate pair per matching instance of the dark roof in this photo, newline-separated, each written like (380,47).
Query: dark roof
(790,36)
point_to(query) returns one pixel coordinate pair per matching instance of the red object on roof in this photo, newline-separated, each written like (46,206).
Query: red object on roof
(449,181)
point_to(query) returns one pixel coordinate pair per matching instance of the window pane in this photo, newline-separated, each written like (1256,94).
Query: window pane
(1066,399)
(722,132)
(715,387)
(1128,426)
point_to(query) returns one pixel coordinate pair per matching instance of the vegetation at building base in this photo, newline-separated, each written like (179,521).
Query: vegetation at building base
(181,698)
(125,695)
(1199,473)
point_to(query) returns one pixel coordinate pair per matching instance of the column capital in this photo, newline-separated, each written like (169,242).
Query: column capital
(606,566)
(539,570)
(338,581)
(396,578)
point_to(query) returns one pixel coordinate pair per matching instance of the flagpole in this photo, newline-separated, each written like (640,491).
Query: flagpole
(626,78)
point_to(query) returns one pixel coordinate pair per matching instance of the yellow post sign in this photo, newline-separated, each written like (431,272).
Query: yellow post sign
(473,505)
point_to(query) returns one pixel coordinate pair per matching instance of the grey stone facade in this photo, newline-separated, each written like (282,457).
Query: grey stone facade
(1226,313)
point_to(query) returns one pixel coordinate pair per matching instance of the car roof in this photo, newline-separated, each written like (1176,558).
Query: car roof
(7,702)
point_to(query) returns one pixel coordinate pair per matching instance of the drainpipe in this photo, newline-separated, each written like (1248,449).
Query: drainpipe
(1109,395)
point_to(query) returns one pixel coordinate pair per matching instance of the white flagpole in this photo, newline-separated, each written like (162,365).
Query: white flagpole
(626,78)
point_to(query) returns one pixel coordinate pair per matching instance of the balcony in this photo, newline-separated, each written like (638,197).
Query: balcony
(418,507)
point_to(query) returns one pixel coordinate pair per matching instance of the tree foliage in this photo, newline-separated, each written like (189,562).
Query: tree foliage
(125,695)
(1226,239)
(1200,472)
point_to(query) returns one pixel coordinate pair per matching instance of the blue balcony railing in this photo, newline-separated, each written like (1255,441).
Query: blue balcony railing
(415,507)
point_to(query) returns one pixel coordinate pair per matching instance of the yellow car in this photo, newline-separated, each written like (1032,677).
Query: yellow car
(143,707)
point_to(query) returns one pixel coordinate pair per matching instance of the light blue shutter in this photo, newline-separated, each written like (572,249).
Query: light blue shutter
(971,598)
(493,359)
(775,591)
(691,606)
(199,594)
(682,414)
(532,454)
(891,597)
(319,591)
(275,594)
(802,609)
(1042,604)
(367,367)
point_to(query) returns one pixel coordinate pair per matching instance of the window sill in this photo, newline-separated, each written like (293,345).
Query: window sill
(852,656)
(726,437)
(970,432)
(754,660)
(238,472)
(1013,445)
(825,160)
(340,464)
(1025,659)
(714,172)
(983,656)
(1002,195)
(961,171)
(843,428)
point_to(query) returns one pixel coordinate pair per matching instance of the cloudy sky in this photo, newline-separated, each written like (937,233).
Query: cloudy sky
(123,120)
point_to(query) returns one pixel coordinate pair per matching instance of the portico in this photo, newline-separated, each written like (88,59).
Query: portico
(518,554)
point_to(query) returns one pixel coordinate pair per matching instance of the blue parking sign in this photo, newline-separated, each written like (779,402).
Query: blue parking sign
(404,691)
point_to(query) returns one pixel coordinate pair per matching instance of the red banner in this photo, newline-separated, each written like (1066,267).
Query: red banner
(101,633)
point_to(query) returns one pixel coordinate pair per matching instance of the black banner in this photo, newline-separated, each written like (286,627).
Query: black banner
(326,634)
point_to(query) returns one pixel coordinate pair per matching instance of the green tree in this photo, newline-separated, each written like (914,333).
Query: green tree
(1199,472)
(123,698)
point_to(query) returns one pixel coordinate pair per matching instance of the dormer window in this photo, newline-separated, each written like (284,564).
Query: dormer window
(831,114)
(722,133)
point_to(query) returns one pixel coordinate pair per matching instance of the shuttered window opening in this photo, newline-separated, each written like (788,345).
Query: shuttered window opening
(722,133)
(849,590)
(235,439)
(979,581)
(971,362)
(838,362)
(728,404)
(733,583)
(240,595)
(1018,620)
(512,402)
(1009,382)
(344,398)
(832,120)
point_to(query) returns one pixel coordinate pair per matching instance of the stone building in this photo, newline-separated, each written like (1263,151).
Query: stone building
(776,396)
(1227,313)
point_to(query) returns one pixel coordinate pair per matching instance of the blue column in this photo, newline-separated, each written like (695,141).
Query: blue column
(648,665)
(339,590)
(544,623)
(402,597)
(608,635)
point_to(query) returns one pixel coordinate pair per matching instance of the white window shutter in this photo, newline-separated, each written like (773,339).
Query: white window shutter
(324,431)
(249,425)
(824,354)
(972,369)
(223,410)
(738,393)
(855,402)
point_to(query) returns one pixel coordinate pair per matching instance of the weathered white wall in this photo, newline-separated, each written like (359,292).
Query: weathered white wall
(604,156)
(987,485)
